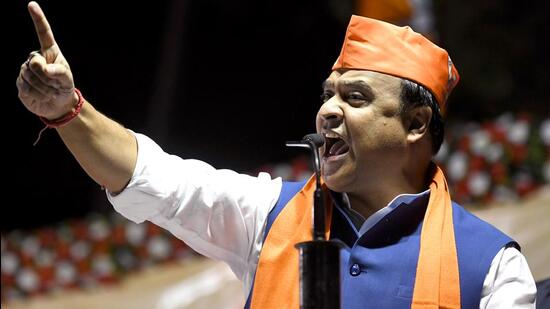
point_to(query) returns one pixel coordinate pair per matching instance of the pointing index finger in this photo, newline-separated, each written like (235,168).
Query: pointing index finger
(41,25)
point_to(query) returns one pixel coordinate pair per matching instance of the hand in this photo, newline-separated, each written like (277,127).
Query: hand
(45,82)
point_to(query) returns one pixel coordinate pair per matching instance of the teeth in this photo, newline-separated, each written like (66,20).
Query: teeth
(331,135)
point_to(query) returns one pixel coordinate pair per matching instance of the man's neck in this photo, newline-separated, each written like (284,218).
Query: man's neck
(370,199)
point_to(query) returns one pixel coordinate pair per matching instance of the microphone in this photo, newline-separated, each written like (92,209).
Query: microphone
(313,142)
(319,259)
(317,139)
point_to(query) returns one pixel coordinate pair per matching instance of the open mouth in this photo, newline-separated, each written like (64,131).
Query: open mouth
(335,146)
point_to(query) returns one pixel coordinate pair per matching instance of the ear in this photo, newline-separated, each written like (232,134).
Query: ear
(418,123)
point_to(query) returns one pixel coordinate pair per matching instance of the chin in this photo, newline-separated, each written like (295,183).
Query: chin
(337,182)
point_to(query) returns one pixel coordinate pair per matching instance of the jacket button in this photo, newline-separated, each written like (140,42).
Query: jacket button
(355,270)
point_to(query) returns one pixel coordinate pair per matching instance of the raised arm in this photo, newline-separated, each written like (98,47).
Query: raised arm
(105,149)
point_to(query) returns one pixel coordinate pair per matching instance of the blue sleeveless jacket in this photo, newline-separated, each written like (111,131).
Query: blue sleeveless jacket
(378,262)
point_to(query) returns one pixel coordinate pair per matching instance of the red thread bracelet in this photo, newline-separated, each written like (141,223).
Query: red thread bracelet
(63,120)
(68,117)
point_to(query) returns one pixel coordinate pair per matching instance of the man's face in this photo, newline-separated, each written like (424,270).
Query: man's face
(364,134)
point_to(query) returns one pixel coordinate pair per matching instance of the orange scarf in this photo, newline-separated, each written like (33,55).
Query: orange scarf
(437,283)
(276,284)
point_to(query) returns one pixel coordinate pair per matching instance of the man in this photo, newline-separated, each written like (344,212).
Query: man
(405,244)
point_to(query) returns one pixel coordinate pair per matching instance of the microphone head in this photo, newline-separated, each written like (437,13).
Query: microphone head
(317,139)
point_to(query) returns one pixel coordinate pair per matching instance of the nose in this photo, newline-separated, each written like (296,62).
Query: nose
(330,114)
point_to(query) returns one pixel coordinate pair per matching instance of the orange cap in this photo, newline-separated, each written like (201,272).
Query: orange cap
(378,46)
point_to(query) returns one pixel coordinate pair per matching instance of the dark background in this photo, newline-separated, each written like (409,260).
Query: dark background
(229,81)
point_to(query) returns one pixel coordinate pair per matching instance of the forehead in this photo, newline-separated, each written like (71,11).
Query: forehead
(376,81)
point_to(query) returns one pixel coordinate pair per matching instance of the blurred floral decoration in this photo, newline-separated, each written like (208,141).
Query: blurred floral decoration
(501,160)
(83,253)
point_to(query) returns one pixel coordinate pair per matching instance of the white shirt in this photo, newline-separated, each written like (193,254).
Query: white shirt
(222,214)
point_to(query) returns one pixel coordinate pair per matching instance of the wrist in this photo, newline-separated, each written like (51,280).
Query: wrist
(63,120)
(74,102)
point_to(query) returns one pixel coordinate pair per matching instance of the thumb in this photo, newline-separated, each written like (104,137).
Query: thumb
(60,73)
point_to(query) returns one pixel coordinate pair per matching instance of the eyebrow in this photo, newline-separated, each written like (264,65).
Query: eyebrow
(354,84)
(365,88)
(357,84)
(327,84)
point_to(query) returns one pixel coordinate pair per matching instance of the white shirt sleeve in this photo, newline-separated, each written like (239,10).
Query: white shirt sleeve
(509,282)
(219,213)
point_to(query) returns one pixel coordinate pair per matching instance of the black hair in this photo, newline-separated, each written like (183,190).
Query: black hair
(412,95)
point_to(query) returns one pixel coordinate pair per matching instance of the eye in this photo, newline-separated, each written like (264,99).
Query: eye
(326,96)
(355,98)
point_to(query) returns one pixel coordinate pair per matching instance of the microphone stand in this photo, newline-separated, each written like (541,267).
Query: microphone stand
(319,258)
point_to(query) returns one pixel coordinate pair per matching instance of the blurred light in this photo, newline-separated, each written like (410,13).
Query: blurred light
(102,266)
(479,183)
(45,257)
(135,233)
(494,153)
(457,166)
(479,142)
(65,273)
(443,152)
(159,247)
(10,262)
(282,170)
(98,230)
(545,132)
(80,250)
(27,280)
(30,245)
(519,133)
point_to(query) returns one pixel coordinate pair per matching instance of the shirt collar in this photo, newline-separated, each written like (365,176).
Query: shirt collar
(341,200)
